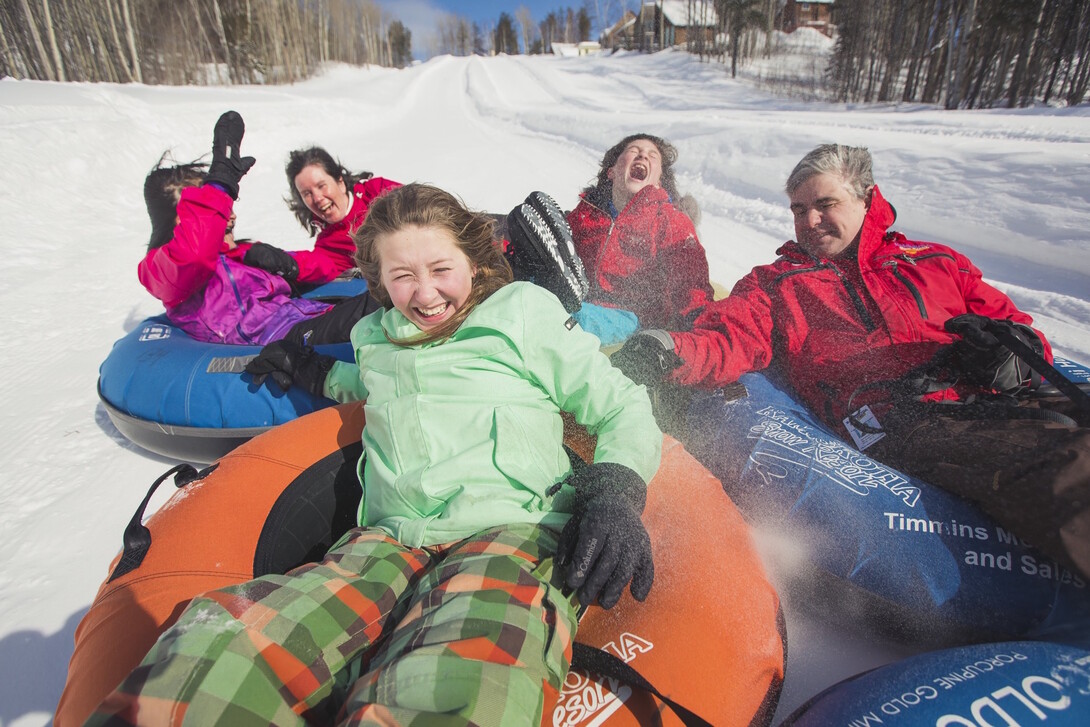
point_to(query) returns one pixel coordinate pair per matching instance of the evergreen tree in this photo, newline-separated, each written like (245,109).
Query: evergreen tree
(479,47)
(401,44)
(507,40)
(582,24)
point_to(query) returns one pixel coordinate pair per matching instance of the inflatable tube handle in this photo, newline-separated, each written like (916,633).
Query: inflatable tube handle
(137,538)
(604,664)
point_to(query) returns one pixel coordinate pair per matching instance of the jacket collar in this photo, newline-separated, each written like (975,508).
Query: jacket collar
(397,326)
(355,197)
(647,195)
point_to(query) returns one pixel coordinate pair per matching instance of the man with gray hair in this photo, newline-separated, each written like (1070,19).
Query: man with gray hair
(901,346)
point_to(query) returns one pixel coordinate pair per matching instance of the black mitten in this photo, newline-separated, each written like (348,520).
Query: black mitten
(273,260)
(227,167)
(288,362)
(985,361)
(647,357)
(605,546)
(541,249)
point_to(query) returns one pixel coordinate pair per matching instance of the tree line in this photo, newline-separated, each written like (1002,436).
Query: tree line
(737,28)
(513,34)
(193,41)
(959,53)
(962,53)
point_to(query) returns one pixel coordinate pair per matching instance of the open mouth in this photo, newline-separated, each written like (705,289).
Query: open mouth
(433,312)
(638,172)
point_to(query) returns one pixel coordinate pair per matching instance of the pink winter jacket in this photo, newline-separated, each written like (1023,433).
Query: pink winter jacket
(333,247)
(207,290)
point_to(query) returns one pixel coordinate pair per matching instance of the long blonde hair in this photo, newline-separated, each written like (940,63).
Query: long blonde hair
(423,205)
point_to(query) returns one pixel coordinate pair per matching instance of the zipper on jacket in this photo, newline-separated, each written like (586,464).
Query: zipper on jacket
(892,265)
(928,256)
(238,299)
(857,301)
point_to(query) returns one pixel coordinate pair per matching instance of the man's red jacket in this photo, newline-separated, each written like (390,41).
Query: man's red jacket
(831,330)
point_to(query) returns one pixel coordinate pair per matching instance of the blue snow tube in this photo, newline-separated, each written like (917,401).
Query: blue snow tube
(906,559)
(1009,683)
(188,399)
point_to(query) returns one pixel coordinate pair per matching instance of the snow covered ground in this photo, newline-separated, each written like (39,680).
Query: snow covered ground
(1009,188)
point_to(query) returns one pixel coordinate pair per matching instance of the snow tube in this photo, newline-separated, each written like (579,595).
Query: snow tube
(710,637)
(1009,683)
(188,399)
(904,558)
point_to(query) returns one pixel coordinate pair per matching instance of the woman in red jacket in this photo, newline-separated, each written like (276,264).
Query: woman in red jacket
(631,257)
(333,203)
(328,200)
(637,240)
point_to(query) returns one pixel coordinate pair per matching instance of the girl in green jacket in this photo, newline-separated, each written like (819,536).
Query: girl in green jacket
(457,597)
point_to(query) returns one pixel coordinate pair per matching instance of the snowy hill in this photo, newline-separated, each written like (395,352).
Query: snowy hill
(1009,188)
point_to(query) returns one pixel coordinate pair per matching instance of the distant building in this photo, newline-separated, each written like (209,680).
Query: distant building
(622,34)
(666,23)
(584,48)
(816,14)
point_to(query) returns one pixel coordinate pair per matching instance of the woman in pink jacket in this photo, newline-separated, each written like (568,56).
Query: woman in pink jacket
(215,289)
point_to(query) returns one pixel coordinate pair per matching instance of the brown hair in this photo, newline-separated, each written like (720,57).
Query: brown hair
(603,186)
(423,205)
(162,189)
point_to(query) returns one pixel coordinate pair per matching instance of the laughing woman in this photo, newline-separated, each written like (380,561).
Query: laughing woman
(635,236)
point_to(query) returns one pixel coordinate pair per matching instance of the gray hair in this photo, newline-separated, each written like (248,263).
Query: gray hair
(851,163)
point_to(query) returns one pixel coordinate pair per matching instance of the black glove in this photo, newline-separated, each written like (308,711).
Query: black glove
(288,362)
(647,357)
(985,361)
(273,260)
(605,546)
(227,167)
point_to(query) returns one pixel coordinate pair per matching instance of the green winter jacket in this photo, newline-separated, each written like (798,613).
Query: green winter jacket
(466,434)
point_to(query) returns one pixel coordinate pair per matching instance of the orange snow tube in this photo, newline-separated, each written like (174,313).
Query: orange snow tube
(708,637)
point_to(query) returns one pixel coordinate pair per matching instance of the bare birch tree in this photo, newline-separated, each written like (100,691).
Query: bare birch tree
(526,26)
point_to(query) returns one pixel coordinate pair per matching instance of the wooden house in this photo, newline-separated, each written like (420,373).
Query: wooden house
(666,23)
(816,14)
(622,34)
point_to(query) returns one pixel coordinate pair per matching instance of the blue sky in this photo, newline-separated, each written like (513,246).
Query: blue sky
(420,15)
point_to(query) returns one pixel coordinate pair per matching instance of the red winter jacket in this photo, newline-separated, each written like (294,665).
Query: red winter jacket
(648,261)
(333,247)
(804,317)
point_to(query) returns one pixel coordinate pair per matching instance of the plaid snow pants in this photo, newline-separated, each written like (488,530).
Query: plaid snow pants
(475,632)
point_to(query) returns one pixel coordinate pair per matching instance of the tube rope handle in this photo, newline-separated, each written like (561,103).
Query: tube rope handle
(607,665)
(137,537)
